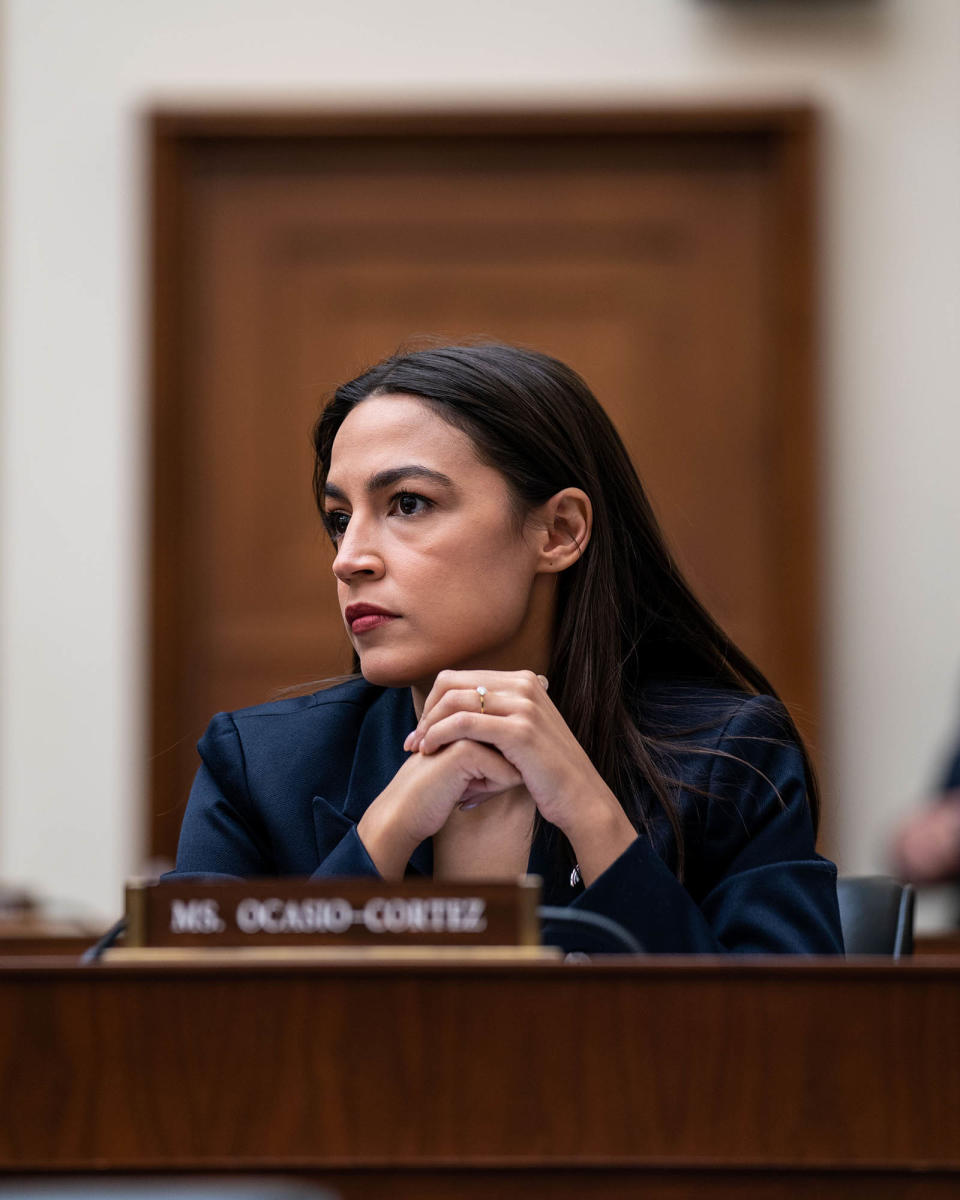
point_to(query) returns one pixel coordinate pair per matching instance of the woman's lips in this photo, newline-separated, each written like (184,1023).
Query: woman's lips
(370,621)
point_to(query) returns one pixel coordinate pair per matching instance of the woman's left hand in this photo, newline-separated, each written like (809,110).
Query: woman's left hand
(520,720)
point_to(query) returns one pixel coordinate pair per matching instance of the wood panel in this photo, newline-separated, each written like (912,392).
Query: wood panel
(691,1076)
(667,256)
(937,944)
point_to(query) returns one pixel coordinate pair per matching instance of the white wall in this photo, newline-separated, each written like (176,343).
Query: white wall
(75,79)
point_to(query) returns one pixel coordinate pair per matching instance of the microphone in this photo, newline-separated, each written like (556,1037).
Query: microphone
(576,931)
(92,953)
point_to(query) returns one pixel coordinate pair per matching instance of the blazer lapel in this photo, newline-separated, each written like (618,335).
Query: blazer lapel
(378,755)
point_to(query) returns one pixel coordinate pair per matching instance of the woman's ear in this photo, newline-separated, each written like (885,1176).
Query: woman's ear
(564,525)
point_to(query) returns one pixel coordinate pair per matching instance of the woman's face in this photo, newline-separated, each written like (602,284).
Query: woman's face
(426,532)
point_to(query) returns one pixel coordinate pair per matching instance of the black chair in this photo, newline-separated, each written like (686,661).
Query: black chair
(876,915)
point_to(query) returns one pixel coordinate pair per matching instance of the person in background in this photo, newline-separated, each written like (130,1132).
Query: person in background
(926,848)
(536,687)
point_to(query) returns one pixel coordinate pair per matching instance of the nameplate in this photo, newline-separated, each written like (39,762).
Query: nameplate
(332,912)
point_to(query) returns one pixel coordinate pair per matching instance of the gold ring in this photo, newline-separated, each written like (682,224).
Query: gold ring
(481,692)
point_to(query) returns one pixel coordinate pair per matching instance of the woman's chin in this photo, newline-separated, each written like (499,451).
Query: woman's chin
(390,668)
(383,673)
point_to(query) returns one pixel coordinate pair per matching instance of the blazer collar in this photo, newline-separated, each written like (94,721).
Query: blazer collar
(379,752)
(378,755)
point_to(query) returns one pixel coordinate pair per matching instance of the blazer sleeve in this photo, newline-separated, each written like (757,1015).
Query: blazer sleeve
(222,833)
(951,778)
(763,888)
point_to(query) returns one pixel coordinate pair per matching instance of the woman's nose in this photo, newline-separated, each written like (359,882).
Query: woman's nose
(357,553)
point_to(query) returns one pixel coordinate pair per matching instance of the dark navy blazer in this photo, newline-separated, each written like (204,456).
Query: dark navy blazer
(281,787)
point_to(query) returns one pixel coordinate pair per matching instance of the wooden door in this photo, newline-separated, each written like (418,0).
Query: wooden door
(667,257)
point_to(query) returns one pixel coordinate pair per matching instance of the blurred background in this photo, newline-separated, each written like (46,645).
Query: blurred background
(739,220)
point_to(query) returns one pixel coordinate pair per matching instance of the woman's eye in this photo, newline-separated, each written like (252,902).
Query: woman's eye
(409,503)
(336,523)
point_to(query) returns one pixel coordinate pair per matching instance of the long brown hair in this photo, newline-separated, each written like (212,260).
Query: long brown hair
(625,616)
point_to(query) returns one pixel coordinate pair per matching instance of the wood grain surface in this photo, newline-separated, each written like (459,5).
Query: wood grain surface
(722,1076)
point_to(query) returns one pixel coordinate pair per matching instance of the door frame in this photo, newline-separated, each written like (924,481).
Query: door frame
(786,133)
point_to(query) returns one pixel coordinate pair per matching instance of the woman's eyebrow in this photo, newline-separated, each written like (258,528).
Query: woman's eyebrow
(391,476)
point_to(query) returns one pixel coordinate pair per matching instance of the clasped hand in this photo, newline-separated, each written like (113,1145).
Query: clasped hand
(522,724)
(459,756)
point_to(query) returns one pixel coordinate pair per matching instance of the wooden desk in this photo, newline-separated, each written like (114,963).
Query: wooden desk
(939,944)
(667,1078)
(36,935)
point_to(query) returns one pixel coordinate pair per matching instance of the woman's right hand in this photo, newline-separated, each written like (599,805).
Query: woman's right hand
(422,795)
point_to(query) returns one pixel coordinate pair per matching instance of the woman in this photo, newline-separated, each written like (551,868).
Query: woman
(540,690)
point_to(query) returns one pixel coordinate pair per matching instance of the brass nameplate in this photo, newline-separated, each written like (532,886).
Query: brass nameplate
(331,912)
